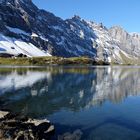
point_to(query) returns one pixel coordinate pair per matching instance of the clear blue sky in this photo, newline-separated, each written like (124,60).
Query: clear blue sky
(125,13)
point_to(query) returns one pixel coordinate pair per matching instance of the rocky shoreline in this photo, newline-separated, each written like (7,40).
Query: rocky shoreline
(16,127)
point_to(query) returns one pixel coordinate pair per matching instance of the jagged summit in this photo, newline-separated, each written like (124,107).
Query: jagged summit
(76,17)
(118,27)
(136,35)
(21,20)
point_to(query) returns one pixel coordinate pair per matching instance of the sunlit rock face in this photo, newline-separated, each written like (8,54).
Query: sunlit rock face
(69,88)
(22,20)
(129,42)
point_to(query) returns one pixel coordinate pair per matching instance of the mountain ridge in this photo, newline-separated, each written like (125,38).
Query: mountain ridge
(21,20)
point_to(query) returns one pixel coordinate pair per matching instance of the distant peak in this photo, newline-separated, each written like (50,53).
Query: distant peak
(136,35)
(76,17)
(117,27)
(101,25)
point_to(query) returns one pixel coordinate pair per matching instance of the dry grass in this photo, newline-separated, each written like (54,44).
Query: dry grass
(43,61)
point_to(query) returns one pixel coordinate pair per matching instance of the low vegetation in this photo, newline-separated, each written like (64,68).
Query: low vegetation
(43,61)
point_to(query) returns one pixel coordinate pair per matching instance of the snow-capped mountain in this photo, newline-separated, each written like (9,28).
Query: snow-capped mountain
(28,30)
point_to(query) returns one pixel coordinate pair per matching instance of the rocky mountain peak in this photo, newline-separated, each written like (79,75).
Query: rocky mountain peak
(136,35)
(76,17)
(117,27)
(119,33)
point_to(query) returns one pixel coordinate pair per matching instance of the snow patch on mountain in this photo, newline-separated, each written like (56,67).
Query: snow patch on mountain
(14,46)
(34,35)
(17,31)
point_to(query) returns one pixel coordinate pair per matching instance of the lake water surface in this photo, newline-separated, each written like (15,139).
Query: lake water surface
(95,103)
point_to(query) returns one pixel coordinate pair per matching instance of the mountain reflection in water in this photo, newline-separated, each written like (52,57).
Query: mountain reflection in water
(58,92)
(37,91)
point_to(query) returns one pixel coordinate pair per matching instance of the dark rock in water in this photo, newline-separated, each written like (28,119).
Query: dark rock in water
(16,127)
(76,135)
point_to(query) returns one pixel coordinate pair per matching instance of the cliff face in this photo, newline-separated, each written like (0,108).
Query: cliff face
(21,20)
(130,43)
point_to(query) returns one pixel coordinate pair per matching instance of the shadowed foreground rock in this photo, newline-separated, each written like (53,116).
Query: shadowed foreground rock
(15,127)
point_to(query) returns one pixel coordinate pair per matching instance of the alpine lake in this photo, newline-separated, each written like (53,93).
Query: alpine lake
(83,103)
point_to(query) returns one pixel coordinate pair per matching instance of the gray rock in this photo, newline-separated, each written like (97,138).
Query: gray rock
(128,42)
